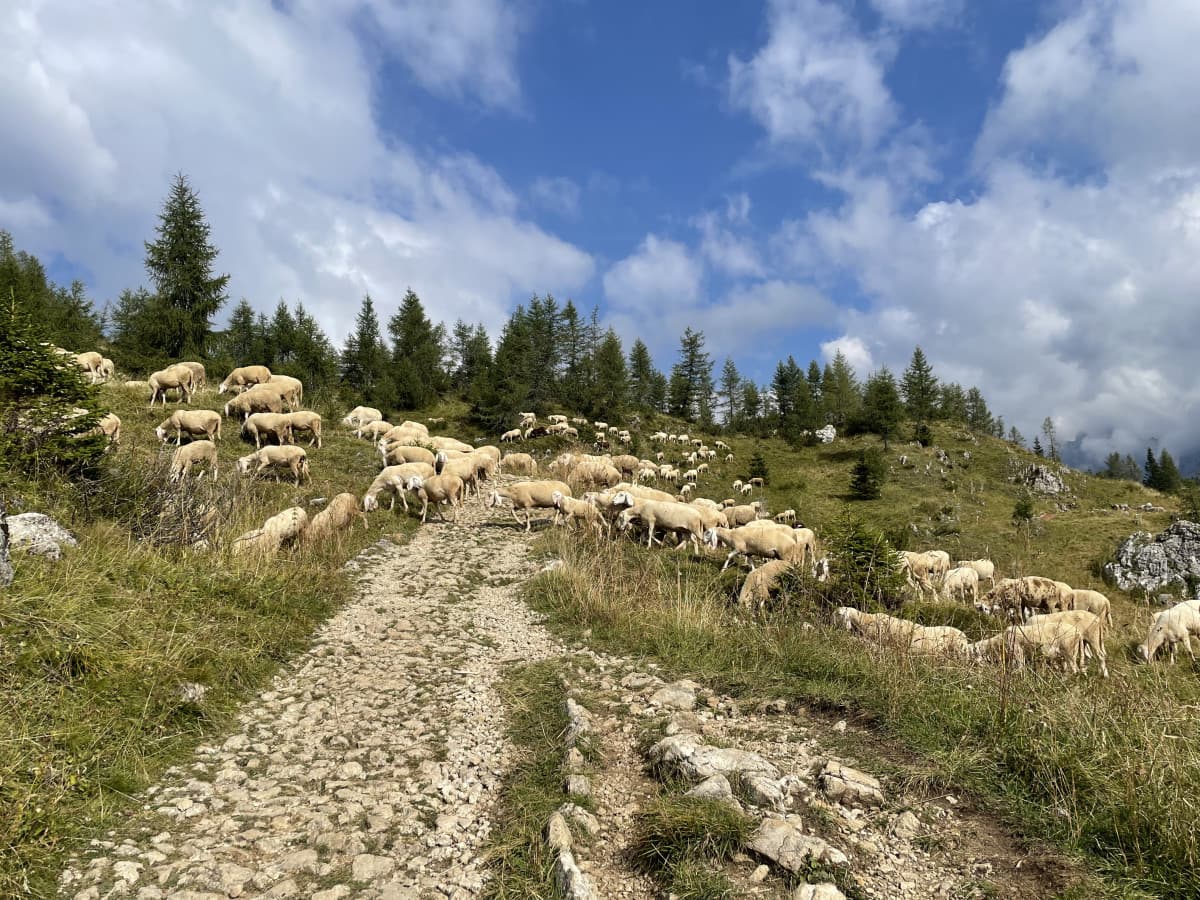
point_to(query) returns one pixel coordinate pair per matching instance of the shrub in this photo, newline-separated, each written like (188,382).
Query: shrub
(868,474)
(758,468)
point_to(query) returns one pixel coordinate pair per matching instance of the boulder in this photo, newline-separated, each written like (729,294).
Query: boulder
(850,787)
(823,891)
(572,883)
(826,435)
(1042,480)
(39,534)
(688,756)
(1151,562)
(717,788)
(784,844)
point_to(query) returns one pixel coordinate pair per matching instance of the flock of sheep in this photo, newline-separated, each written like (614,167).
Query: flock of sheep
(606,493)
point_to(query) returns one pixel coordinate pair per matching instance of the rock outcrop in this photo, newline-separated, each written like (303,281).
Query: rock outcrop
(1152,562)
(1042,480)
(39,534)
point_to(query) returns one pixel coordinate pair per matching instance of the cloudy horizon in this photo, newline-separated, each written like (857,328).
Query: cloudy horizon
(1017,190)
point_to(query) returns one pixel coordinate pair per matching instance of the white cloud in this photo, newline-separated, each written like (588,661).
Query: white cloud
(854,349)
(918,13)
(559,195)
(660,272)
(725,249)
(270,114)
(816,81)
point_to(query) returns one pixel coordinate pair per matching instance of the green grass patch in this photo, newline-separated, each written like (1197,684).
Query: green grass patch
(682,841)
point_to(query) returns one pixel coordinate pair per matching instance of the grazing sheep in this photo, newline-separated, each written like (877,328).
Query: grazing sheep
(290,389)
(938,640)
(339,514)
(595,474)
(264,426)
(199,373)
(394,479)
(255,400)
(756,589)
(626,464)
(278,531)
(747,490)
(395,455)
(107,369)
(742,515)
(878,628)
(529,495)
(679,518)
(360,416)
(109,426)
(919,569)
(767,543)
(448,443)
(1090,628)
(90,363)
(1094,602)
(961,584)
(518,464)
(243,377)
(1022,596)
(686,490)
(788,516)
(172,378)
(465,467)
(578,511)
(294,459)
(189,455)
(527,419)
(440,489)
(306,420)
(192,422)
(984,568)
(373,431)
(513,434)
(557,419)
(1171,627)
(1053,641)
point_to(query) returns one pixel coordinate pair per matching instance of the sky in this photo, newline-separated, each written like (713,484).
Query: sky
(1012,185)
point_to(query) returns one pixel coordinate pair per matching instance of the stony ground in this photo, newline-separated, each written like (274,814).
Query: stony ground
(371,766)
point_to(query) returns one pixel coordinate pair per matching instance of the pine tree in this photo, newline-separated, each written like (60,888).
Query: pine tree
(543,328)
(919,388)
(751,407)
(952,403)
(611,391)
(882,408)
(1152,477)
(180,262)
(641,375)
(577,362)
(1170,481)
(1112,466)
(282,337)
(814,389)
(136,331)
(758,467)
(868,475)
(1037,446)
(506,390)
(979,417)
(659,390)
(1051,436)
(1014,436)
(730,390)
(840,392)
(63,316)
(313,353)
(364,356)
(241,337)
(691,383)
(416,370)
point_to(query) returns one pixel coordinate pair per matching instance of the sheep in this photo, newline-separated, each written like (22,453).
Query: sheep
(199,373)
(1052,640)
(394,479)
(402,454)
(245,376)
(1172,627)
(513,434)
(557,419)
(290,389)
(679,518)
(360,416)
(464,467)
(627,464)
(109,426)
(527,419)
(595,474)
(747,490)
(1090,628)
(339,514)
(306,420)
(294,459)
(254,401)
(1094,602)
(189,455)
(757,482)
(1023,595)
(192,422)
(600,426)
(106,370)
(788,516)
(519,464)
(658,437)
(728,457)
(938,640)
(961,584)
(756,589)
(879,628)
(737,484)
(264,426)
(578,511)
(768,543)
(172,378)
(448,443)
(284,528)
(741,515)
(90,363)
(440,489)
(918,568)
(529,495)
(373,431)
(691,475)
(686,490)
(985,568)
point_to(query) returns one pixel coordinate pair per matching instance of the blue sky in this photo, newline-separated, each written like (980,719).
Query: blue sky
(1013,185)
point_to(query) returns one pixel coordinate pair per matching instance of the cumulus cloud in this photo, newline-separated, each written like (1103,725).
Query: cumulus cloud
(918,13)
(559,195)
(268,109)
(854,349)
(660,272)
(816,81)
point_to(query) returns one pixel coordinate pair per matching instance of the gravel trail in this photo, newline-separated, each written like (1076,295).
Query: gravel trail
(369,767)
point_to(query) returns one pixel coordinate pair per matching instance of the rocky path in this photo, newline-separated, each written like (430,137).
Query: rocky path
(371,767)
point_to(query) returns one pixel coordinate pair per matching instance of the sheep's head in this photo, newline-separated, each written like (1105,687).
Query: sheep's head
(245,462)
(710,538)
(557,498)
(622,499)
(224,387)
(370,503)
(415,483)
(160,433)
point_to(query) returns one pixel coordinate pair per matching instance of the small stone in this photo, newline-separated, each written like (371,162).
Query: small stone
(575,760)
(127,870)
(782,842)
(367,867)
(715,787)
(572,882)
(906,826)
(850,786)
(824,891)
(581,817)
(674,696)
(578,786)
(759,875)
(558,835)
(337,892)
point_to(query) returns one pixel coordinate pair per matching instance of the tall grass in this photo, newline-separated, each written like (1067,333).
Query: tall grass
(1110,769)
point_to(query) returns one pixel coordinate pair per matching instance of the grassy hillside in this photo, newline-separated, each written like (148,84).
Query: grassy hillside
(1108,769)
(94,648)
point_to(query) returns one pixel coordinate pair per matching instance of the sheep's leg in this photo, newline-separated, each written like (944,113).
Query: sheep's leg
(528,520)
(516,518)
(424,509)
(729,559)
(1187,645)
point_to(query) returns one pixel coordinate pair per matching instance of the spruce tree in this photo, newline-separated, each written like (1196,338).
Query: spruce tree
(919,388)
(882,408)
(313,354)
(641,375)
(282,337)
(63,316)
(610,393)
(952,403)
(868,474)
(979,417)
(364,356)
(1152,477)
(543,329)
(840,392)
(751,407)
(730,390)
(576,360)
(1169,479)
(416,368)
(241,338)
(1037,446)
(758,467)
(691,384)
(1051,436)
(180,262)
(506,391)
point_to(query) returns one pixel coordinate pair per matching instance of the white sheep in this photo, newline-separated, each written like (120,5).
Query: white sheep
(339,514)
(278,531)
(189,455)
(747,490)
(172,378)
(394,479)
(294,459)
(258,399)
(109,426)
(90,362)
(396,455)
(578,511)
(1094,602)
(1090,628)
(513,434)
(938,640)
(767,543)
(529,495)
(264,426)
(518,464)
(527,419)
(984,568)
(192,422)
(679,518)
(1053,641)
(878,628)
(961,584)
(243,377)
(360,416)
(306,420)
(756,589)
(199,373)
(1171,627)
(788,516)
(373,431)
(440,489)
(741,515)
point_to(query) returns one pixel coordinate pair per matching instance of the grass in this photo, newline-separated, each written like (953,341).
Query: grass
(1108,771)
(522,864)
(682,841)
(94,648)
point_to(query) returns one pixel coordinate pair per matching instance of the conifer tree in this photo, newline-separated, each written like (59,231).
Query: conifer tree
(416,367)
(691,379)
(542,320)
(952,403)
(840,391)
(1037,446)
(882,408)
(919,388)
(241,337)
(364,356)
(868,475)
(180,262)
(814,389)
(751,407)
(611,391)
(641,375)
(1152,477)
(506,391)
(576,360)
(1169,479)
(1051,437)
(979,417)
(1014,436)
(312,354)
(282,331)
(730,390)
